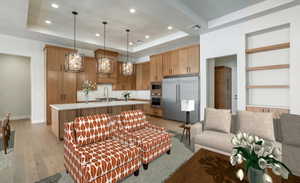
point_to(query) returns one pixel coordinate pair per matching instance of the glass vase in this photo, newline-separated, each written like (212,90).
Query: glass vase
(255,175)
(86,96)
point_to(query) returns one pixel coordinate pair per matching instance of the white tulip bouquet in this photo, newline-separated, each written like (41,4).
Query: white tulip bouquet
(258,154)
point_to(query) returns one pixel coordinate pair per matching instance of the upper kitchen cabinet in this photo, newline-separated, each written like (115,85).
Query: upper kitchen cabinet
(156,65)
(189,60)
(89,73)
(143,76)
(170,63)
(60,85)
(112,76)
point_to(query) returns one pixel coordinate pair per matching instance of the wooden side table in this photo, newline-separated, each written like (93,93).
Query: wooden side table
(186,132)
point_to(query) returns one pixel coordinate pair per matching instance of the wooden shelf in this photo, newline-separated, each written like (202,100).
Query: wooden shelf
(269,67)
(268,86)
(268,48)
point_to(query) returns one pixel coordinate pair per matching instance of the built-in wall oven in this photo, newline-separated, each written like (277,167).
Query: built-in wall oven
(156,93)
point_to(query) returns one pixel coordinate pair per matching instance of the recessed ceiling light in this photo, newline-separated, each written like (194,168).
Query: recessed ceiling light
(48,22)
(130,43)
(170,27)
(97,35)
(132,10)
(147,36)
(53,5)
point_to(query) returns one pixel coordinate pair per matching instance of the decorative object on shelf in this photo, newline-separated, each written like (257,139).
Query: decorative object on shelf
(258,155)
(88,86)
(187,106)
(126,95)
(74,61)
(127,67)
(104,63)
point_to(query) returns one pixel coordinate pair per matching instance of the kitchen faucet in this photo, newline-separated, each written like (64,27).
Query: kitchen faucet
(106,94)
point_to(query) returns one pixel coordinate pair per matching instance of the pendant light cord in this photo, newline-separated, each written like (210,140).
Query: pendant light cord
(74,13)
(104,41)
(127,43)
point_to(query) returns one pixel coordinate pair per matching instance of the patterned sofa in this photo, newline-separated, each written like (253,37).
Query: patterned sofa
(153,140)
(94,152)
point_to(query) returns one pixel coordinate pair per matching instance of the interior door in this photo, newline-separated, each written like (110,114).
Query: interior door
(188,91)
(170,100)
(223,87)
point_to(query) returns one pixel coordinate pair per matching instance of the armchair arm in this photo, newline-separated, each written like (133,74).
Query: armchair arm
(154,127)
(196,129)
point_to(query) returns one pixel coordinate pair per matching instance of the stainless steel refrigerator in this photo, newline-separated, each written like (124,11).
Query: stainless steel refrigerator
(176,89)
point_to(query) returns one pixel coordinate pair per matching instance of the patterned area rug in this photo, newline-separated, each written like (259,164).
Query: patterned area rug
(158,170)
(6,159)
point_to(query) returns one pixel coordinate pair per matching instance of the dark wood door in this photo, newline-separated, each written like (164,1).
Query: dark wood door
(223,87)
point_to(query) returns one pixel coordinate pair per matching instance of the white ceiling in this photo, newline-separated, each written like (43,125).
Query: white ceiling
(26,18)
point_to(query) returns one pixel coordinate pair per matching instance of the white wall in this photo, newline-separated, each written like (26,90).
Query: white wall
(15,86)
(34,50)
(232,41)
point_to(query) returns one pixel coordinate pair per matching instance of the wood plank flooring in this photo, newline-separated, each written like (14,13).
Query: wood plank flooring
(37,154)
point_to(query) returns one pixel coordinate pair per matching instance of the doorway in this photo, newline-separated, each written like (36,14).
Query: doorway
(222,83)
(15,79)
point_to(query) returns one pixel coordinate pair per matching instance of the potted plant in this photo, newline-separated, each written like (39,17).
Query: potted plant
(87,86)
(126,95)
(257,155)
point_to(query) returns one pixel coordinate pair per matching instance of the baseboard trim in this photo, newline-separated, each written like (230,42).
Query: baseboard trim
(19,117)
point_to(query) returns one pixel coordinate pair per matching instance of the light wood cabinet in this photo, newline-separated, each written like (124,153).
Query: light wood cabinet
(189,58)
(143,76)
(60,85)
(156,70)
(170,63)
(89,73)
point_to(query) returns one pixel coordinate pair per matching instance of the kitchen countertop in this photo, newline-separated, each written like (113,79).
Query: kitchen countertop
(74,106)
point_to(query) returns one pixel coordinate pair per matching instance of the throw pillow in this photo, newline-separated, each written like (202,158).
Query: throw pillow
(290,128)
(256,123)
(217,120)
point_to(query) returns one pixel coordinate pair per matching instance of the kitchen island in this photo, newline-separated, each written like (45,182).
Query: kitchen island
(62,113)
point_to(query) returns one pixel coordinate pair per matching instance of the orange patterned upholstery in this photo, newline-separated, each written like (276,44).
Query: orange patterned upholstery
(153,140)
(102,157)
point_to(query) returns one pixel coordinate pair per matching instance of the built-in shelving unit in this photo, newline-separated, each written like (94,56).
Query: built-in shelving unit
(267,69)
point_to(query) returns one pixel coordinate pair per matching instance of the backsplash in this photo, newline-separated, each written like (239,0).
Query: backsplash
(99,93)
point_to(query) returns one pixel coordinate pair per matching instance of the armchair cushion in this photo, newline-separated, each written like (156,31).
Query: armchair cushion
(133,120)
(217,120)
(91,129)
(290,128)
(256,123)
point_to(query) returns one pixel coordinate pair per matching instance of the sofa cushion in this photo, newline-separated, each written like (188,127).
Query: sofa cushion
(216,140)
(290,157)
(91,129)
(133,120)
(148,138)
(104,156)
(256,123)
(290,129)
(217,120)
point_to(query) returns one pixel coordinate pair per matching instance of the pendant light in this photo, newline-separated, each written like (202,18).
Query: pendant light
(127,67)
(104,64)
(74,61)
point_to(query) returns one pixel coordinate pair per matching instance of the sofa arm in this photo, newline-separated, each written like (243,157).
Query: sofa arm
(196,129)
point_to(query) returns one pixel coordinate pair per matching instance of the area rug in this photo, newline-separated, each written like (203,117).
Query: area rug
(6,159)
(158,170)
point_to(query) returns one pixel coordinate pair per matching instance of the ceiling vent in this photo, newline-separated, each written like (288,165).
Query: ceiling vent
(139,41)
(196,27)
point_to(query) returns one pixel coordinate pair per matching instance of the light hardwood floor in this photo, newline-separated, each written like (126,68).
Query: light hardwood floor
(37,153)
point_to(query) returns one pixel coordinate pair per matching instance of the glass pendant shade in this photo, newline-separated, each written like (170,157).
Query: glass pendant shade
(74,62)
(127,68)
(104,65)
